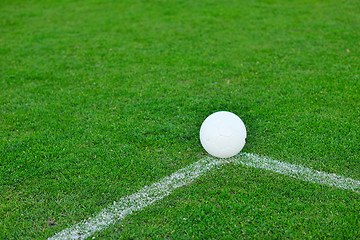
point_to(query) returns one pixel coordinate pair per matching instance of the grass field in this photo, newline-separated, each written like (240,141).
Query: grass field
(100,98)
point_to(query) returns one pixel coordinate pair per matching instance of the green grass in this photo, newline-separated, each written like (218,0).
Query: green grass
(100,98)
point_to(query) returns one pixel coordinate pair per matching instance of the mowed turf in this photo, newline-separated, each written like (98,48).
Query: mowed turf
(100,98)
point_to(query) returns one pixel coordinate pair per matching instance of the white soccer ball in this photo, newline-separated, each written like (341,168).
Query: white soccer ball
(223,134)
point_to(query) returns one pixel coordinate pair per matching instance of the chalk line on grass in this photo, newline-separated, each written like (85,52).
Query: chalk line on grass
(137,201)
(157,191)
(297,171)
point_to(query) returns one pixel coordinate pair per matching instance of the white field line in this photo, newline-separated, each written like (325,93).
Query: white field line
(297,171)
(157,191)
(137,201)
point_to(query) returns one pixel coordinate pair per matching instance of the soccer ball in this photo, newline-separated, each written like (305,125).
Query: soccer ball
(223,134)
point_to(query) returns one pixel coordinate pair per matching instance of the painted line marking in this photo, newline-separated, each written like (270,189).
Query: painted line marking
(137,201)
(297,171)
(157,191)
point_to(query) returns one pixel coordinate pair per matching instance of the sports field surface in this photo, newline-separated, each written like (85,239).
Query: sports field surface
(102,101)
